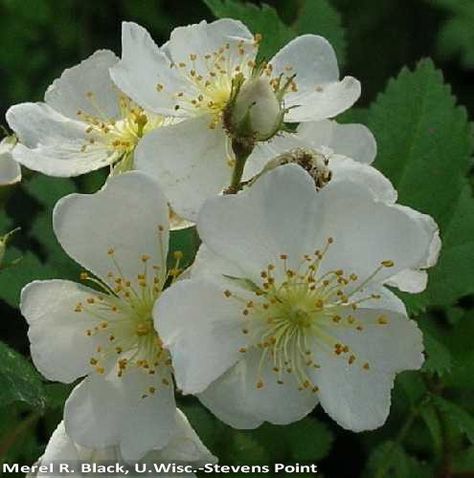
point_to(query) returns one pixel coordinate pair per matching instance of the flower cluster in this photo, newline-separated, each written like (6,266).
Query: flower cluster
(287,303)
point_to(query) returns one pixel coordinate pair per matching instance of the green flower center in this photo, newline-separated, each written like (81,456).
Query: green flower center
(296,310)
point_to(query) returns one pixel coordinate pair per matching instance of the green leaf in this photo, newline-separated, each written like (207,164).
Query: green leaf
(185,241)
(456,35)
(263,20)
(459,343)
(57,260)
(308,440)
(424,146)
(390,460)
(413,386)
(15,277)
(5,223)
(432,422)
(459,417)
(463,462)
(19,381)
(455,314)
(321,18)
(246,449)
(56,395)
(438,359)
(47,190)
(453,277)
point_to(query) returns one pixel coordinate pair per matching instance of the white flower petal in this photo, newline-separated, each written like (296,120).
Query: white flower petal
(86,87)
(104,412)
(52,143)
(111,230)
(367,232)
(212,267)
(236,400)
(227,397)
(344,168)
(60,449)
(326,102)
(202,329)
(204,38)
(10,171)
(268,150)
(311,58)
(60,347)
(412,281)
(151,421)
(278,215)
(142,68)
(283,214)
(184,447)
(189,160)
(415,280)
(357,396)
(392,346)
(352,140)
(320,94)
(340,140)
(356,400)
(387,299)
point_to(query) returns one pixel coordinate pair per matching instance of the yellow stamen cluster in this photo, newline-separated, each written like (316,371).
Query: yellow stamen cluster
(297,310)
(124,329)
(211,78)
(120,134)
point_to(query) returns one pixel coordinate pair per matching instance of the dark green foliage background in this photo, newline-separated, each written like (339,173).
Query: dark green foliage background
(425,148)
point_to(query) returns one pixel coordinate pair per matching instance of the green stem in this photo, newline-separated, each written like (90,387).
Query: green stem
(242,150)
(445,466)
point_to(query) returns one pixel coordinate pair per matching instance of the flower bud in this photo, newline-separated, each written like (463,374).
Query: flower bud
(256,112)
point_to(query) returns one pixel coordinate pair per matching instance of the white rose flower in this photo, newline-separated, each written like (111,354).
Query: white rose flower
(85,123)
(10,171)
(106,333)
(202,75)
(184,448)
(287,305)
